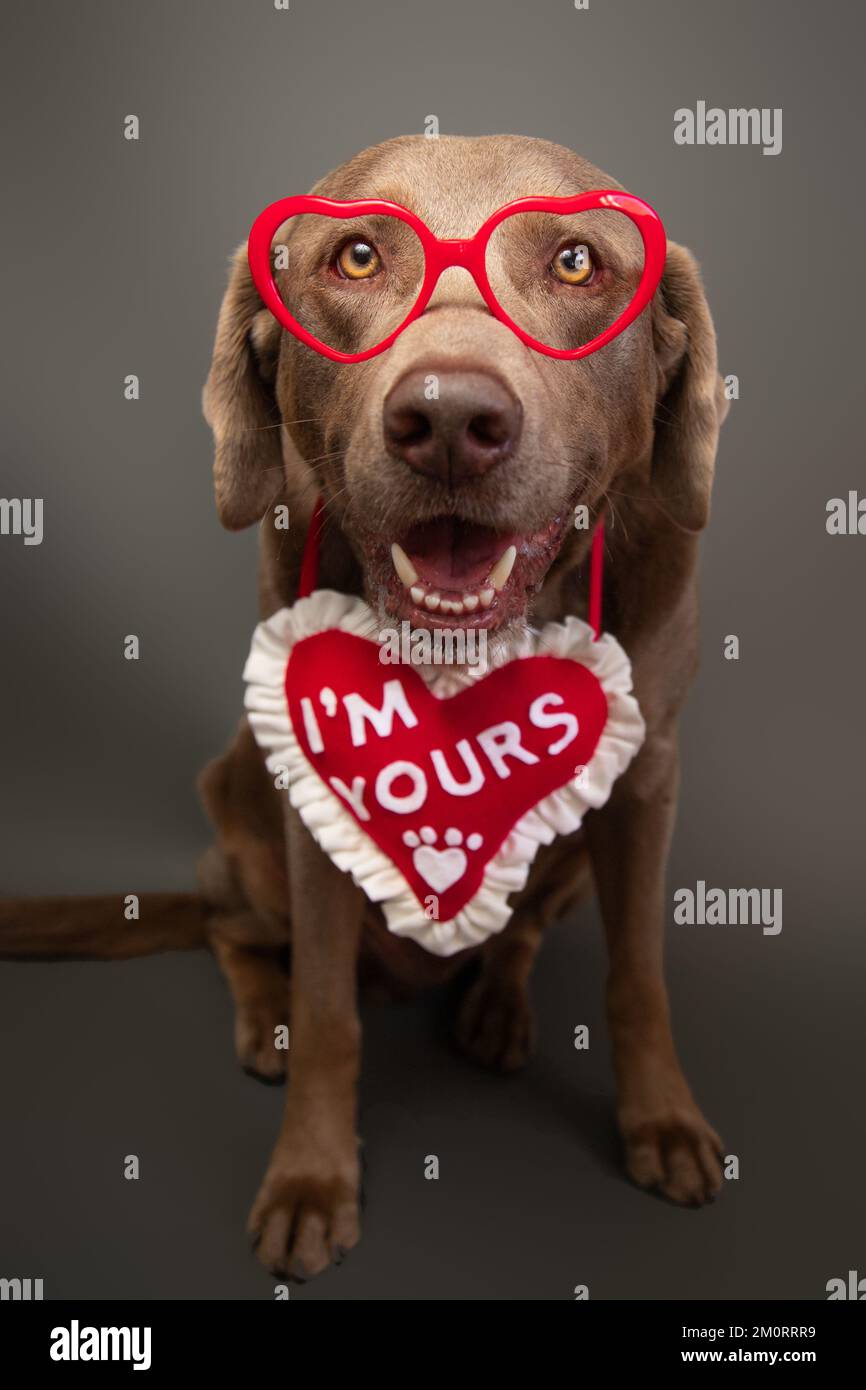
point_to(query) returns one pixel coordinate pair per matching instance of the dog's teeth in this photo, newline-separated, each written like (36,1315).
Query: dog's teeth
(502,569)
(451,605)
(416,593)
(470,602)
(432,602)
(403,565)
(486,597)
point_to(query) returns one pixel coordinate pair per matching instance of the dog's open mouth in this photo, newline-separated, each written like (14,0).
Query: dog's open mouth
(449,572)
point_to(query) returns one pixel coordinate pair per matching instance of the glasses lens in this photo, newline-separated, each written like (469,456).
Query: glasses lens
(349,282)
(564,278)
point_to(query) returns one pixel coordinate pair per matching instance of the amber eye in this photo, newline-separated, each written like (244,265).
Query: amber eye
(573,264)
(358,260)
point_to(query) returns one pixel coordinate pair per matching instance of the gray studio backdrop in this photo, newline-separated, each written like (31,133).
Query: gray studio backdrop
(114,263)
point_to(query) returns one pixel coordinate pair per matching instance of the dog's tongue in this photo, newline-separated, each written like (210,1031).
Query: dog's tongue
(452,554)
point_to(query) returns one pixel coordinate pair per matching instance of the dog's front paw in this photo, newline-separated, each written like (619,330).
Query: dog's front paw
(305,1216)
(673,1151)
(494,1026)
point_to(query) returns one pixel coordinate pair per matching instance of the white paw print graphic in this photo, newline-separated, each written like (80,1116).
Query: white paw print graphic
(441,868)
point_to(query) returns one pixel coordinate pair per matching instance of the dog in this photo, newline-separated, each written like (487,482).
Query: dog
(514,442)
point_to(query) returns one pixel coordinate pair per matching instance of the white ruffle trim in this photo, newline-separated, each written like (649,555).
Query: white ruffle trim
(340,835)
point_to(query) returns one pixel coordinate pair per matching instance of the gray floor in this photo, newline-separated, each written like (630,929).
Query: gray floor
(103,1060)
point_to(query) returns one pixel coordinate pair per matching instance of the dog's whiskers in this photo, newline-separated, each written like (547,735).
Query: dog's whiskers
(278,425)
(320,458)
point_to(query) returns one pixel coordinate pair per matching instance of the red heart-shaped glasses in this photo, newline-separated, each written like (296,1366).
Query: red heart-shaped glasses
(472,254)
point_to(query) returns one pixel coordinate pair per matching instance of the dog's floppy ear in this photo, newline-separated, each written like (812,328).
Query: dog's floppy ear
(691,404)
(239,402)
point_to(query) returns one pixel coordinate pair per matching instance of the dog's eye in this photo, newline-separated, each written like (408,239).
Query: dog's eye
(358,260)
(573,264)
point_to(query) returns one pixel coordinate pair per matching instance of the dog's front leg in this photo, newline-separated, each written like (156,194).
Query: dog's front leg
(668,1143)
(306,1213)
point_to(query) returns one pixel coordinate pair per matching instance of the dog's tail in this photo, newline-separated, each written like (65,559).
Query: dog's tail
(104,928)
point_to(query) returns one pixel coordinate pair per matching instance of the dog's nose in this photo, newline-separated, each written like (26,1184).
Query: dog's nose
(451,425)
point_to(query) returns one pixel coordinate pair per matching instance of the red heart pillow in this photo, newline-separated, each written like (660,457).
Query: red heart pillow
(435,786)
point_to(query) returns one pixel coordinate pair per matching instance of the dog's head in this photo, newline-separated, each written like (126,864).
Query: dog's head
(454,461)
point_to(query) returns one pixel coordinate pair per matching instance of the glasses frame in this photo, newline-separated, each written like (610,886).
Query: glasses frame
(470,253)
